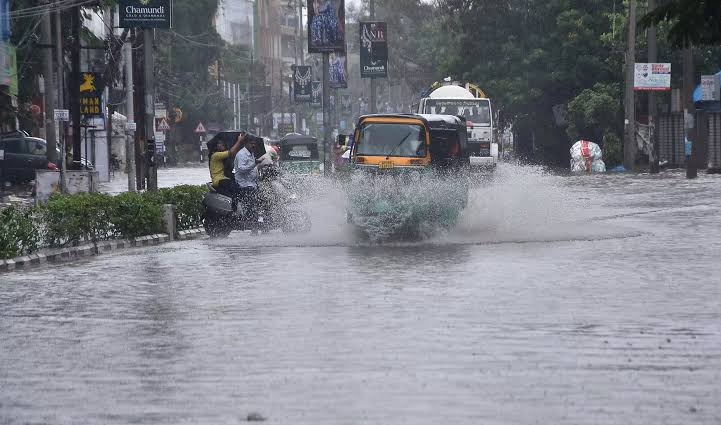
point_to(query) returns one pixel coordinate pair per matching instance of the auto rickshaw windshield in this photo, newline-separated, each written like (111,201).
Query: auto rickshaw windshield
(392,139)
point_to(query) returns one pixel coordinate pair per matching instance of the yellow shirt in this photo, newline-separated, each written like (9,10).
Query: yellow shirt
(217,167)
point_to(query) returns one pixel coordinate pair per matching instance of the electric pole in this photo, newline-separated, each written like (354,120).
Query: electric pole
(75,87)
(50,102)
(374,109)
(149,92)
(326,113)
(652,108)
(130,112)
(688,112)
(629,145)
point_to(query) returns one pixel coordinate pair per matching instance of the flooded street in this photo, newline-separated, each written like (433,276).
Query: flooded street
(556,300)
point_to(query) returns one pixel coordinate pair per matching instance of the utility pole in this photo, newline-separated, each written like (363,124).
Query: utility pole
(149,92)
(75,87)
(374,109)
(139,109)
(50,102)
(130,112)
(689,112)
(326,113)
(629,145)
(652,107)
(60,58)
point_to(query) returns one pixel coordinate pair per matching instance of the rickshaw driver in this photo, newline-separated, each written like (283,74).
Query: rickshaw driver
(218,154)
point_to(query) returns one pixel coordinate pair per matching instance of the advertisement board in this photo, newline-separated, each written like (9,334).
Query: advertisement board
(302,84)
(653,76)
(146,13)
(326,26)
(338,71)
(91,94)
(373,49)
(710,88)
(317,96)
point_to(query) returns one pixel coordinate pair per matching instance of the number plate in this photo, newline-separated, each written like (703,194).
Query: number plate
(385,165)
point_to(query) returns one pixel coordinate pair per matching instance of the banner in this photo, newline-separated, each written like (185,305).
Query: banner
(347,104)
(317,97)
(326,26)
(91,94)
(146,13)
(302,84)
(338,71)
(652,76)
(373,50)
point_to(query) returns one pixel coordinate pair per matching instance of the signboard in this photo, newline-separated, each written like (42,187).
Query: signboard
(91,94)
(373,50)
(346,104)
(200,128)
(284,128)
(62,115)
(338,71)
(131,126)
(2,155)
(146,13)
(302,84)
(161,124)
(317,96)
(710,88)
(653,76)
(326,26)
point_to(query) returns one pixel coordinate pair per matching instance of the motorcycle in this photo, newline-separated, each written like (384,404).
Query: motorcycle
(278,209)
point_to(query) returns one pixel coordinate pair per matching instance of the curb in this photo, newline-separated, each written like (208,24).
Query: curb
(63,255)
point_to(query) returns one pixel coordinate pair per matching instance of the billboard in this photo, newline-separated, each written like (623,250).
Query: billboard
(326,26)
(338,71)
(302,84)
(373,49)
(145,13)
(91,94)
(317,97)
(652,76)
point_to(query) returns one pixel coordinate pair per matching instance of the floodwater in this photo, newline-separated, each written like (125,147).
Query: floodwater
(557,300)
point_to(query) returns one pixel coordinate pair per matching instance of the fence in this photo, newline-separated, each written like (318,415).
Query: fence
(671,138)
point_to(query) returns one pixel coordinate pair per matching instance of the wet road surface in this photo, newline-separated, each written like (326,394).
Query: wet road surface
(558,300)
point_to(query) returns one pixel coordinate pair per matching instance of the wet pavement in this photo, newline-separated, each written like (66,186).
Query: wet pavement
(557,300)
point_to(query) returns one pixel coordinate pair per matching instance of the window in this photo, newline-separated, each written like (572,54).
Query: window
(13,146)
(407,140)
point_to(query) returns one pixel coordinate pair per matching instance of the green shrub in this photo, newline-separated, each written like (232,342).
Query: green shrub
(134,214)
(188,201)
(71,219)
(18,233)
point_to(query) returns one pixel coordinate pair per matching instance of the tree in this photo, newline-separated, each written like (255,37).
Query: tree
(693,22)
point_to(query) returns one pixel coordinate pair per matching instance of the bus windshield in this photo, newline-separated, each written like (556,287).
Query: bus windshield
(477,111)
(392,139)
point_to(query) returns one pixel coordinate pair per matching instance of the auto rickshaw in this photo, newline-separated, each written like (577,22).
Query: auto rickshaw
(299,155)
(409,177)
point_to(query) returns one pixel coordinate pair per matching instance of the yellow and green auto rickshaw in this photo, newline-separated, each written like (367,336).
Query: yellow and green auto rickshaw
(299,155)
(409,178)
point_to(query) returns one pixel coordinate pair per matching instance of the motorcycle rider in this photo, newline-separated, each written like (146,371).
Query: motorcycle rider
(246,178)
(218,154)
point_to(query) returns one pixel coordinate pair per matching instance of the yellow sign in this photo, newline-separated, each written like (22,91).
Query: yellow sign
(91,95)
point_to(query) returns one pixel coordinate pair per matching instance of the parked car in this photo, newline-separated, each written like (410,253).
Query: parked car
(23,155)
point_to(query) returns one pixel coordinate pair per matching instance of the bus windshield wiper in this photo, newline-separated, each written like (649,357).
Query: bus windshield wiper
(399,145)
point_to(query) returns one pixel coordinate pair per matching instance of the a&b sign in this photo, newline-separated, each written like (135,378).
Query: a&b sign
(652,76)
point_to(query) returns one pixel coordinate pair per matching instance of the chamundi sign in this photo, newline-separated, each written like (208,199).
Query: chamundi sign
(146,13)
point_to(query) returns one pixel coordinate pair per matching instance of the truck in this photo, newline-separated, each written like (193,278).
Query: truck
(466,100)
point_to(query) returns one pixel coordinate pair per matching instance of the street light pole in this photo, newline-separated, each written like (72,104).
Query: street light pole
(653,159)
(326,112)
(374,109)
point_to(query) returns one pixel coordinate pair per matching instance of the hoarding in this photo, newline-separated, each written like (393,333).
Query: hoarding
(710,88)
(146,13)
(653,76)
(373,49)
(91,94)
(302,84)
(317,97)
(326,26)
(338,71)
